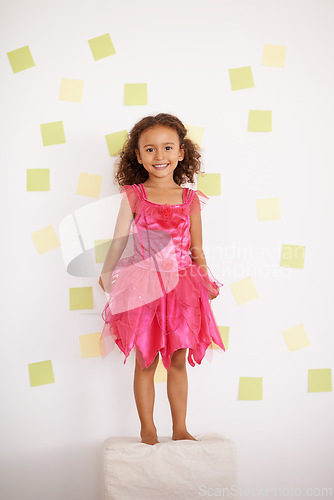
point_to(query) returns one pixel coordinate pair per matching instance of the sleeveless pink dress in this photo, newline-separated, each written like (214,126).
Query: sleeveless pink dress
(160,299)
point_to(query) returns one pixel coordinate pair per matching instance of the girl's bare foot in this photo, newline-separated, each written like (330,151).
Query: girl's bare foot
(149,436)
(182,434)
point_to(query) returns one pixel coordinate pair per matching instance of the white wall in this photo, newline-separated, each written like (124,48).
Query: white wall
(52,435)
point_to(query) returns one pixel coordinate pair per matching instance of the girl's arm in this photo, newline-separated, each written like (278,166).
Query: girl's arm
(196,249)
(118,244)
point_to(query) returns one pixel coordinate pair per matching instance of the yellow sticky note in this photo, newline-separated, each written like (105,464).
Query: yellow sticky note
(81,298)
(52,133)
(71,90)
(41,373)
(296,338)
(224,333)
(259,121)
(101,249)
(90,345)
(250,388)
(45,239)
(160,374)
(268,209)
(241,78)
(209,184)
(135,94)
(38,179)
(89,185)
(116,141)
(293,256)
(101,46)
(320,380)
(195,134)
(20,59)
(274,55)
(244,290)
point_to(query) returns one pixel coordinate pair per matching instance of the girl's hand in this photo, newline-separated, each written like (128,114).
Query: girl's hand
(101,284)
(107,284)
(211,297)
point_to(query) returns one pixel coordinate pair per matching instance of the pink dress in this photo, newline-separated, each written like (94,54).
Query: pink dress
(160,299)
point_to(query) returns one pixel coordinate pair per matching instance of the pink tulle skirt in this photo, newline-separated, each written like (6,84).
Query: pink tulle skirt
(156,311)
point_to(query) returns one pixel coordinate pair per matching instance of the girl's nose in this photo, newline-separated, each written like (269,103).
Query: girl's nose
(159,153)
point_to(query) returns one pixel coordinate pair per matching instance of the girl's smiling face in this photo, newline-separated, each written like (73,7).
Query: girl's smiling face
(159,151)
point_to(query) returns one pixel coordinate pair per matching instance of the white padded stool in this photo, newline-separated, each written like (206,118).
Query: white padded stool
(170,470)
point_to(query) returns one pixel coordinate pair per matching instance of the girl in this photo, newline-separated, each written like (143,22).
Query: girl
(159,290)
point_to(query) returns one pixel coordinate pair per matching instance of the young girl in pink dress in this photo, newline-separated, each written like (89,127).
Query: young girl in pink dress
(155,272)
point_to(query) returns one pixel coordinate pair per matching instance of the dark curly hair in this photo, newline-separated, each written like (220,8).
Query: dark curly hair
(130,171)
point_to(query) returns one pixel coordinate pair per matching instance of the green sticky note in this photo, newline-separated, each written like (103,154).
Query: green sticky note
(224,333)
(135,93)
(293,256)
(250,388)
(52,133)
(41,373)
(116,141)
(101,250)
(101,46)
(320,380)
(38,179)
(259,121)
(209,184)
(241,78)
(20,59)
(81,298)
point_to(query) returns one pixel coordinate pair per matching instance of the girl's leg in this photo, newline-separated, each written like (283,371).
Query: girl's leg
(177,391)
(144,393)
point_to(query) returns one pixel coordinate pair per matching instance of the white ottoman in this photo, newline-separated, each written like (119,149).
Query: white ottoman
(170,470)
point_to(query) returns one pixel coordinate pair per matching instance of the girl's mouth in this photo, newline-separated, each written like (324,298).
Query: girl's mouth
(162,166)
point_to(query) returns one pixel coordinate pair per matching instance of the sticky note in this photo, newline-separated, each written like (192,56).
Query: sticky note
(116,141)
(41,373)
(101,249)
(268,209)
(81,298)
(320,380)
(38,179)
(20,59)
(274,55)
(241,78)
(45,239)
(52,133)
(90,345)
(101,46)
(293,256)
(160,374)
(209,184)
(89,185)
(71,90)
(250,388)
(244,290)
(135,94)
(195,134)
(296,338)
(259,121)
(224,333)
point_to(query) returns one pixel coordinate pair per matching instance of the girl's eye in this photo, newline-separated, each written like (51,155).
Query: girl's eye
(149,149)
(168,147)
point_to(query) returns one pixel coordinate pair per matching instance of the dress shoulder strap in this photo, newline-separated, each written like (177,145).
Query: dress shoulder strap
(139,191)
(186,194)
